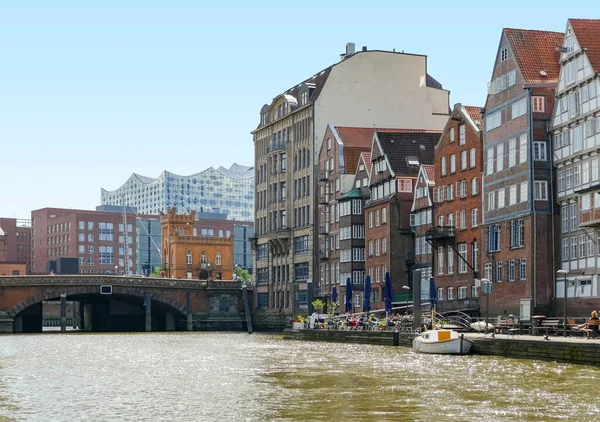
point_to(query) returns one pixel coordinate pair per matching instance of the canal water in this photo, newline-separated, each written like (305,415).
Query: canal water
(241,377)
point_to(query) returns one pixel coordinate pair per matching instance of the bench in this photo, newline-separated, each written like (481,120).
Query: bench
(591,331)
(547,326)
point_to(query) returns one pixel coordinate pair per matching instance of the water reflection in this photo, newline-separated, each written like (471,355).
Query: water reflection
(221,376)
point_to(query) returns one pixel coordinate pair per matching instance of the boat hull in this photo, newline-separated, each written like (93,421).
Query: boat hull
(430,343)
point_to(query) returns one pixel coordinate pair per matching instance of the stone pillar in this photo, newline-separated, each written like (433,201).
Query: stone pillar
(63,312)
(87,317)
(170,321)
(188,310)
(75,314)
(148,304)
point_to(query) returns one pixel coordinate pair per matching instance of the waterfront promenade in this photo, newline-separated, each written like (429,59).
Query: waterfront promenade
(576,350)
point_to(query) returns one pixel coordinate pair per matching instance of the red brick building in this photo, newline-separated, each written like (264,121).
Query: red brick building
(520,216)
(456,237)
(15,241)
(396,157)
(421,220)
(338,162)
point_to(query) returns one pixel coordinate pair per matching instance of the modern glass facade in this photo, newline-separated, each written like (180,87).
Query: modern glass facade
(148,240)
(242,252)
(225,191)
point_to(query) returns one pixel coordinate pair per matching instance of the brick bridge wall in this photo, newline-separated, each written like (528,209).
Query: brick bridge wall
(19,292)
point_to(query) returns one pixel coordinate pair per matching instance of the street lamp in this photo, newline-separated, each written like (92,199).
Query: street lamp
(407,288)
(485,282)
(116,270)
(564,274)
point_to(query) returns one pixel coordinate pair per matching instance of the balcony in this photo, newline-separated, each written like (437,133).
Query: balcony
(440,233)
(323,255)
(276,146)
(589,218)
(324,199)
(324,175)
(324,228)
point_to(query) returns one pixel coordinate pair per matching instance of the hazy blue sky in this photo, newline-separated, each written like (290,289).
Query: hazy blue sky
(91,93)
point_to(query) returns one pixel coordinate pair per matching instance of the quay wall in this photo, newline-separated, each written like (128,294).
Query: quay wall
(579,351)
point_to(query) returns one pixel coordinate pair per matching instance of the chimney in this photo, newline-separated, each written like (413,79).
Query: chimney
(350,49)
(364,48)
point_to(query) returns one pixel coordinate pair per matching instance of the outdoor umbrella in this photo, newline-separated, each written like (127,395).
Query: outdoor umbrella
(334,296)
(348,296)
(432,293)
(367,295)
(388,293)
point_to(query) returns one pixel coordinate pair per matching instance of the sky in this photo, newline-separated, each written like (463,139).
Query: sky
(91,92)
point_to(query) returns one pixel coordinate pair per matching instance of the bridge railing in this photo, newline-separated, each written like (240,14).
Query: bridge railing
(55,321)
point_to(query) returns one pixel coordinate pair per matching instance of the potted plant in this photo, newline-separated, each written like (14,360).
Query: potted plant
(298,322)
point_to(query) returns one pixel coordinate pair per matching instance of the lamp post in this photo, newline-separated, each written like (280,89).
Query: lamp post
(564,274)
(116,270)
(407,288)
(485,282)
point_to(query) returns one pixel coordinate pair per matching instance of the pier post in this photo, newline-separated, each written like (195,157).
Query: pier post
(63,312)
(188,310)
(148,304)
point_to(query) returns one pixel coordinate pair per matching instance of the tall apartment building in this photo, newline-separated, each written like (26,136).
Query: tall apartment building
(455,233)
(15,241)
(421,220)
(365,89)
(338,162)
(576,135)
(518,215)
(222,191)
(396,158)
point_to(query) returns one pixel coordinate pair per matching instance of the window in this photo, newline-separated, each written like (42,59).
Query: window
(376,218)
(493,121)
(450,261)
(370,219)
(512,199)
(500,157)
(474,217)
(565,249)
(472,157)
(501,193)
(519,108)
(523,148)
(462,262)
(524,191)
(452,164)
(188,257)
(499,267)
(539,151)
(474,186)
(440,293)
(462,137)
(573,216)
(494,237)
(463,160)
(451,134)
(522,269)
(383,215)
(475,255)
(384,245)
(517,234)
(462,292)
(541,190)
(504,54)
(511,270)
(450,293)
(405,185)
(443,165)
(491,205)
(440,261)
(490,161)
(538,104)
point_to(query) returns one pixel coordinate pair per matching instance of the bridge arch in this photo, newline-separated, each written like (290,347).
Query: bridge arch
(157,295)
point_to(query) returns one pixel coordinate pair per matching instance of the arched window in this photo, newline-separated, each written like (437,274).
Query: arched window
(204,257)
(218,259)
(188,257)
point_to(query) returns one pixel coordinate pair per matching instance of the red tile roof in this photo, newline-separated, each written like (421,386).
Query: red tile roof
(430,171)
(356,137)
(536,51)
(587,32)
(367,159)
(475,114)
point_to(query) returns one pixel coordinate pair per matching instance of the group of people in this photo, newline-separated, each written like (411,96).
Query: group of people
(361,321)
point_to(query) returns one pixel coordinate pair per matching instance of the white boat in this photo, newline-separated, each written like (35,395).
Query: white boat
(441,342)
(481,326)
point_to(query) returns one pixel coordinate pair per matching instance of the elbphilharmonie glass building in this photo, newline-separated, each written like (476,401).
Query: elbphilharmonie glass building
(224,191)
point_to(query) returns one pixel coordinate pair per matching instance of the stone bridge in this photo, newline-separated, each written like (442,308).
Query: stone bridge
(122,303)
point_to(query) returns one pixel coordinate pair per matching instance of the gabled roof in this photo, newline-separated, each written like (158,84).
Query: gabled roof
(475,115)
(318,80)
(400,144)
(355,137)
(366,156)
(587,32)
(536,51)
(429,171)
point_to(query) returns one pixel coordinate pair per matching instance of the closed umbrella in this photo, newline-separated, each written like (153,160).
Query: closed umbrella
(367,295)
(388,293)
(334,295)
(432,293)
(348,296)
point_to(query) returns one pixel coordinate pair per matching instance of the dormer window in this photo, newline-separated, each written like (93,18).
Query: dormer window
(412,161)
(304,98)
(504,54)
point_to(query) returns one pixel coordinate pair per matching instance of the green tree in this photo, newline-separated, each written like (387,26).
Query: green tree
(156,272)
(242,274)
(318,305)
